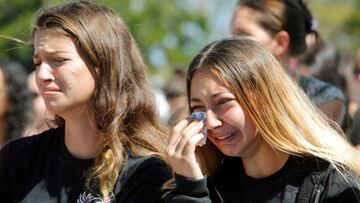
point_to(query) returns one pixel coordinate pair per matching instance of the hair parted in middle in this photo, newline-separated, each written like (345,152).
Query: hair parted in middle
(283,115)
(123,102)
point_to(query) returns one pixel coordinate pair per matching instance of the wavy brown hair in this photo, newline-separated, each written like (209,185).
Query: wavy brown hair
(123,102)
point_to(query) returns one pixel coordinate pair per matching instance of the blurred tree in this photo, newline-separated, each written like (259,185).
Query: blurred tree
(339,22)
(168,32)
(352,25)
(15,21)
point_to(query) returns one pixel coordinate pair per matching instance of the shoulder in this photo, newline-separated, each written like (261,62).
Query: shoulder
(323,182)
(20,150)
(30,142)
(342,187)
(144,175)
(136,165)
(320,91)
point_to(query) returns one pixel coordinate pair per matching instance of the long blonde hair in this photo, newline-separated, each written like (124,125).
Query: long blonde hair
(123,103)
(284,116)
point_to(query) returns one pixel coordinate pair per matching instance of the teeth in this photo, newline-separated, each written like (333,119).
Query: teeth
(224,137)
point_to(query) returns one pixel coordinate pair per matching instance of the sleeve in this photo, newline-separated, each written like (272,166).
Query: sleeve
(145,182)
(6,185)
(189,191)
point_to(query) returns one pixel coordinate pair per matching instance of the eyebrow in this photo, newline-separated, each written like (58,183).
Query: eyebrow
(212,96)
(50,53)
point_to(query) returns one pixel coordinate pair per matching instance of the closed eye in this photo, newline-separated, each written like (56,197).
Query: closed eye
(225,101)
(196,108)
(240,33)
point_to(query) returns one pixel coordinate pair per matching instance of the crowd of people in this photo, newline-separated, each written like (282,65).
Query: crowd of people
(268,114)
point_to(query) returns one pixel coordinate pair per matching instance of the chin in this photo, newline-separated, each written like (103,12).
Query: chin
(230,152)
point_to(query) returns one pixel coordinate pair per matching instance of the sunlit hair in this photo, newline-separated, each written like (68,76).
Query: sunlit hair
(123,102)
(282,113)
(291,16)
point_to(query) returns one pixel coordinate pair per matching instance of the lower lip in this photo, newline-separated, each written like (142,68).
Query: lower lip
(50,92)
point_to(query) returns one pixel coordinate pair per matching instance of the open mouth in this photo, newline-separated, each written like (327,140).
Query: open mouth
(224,137)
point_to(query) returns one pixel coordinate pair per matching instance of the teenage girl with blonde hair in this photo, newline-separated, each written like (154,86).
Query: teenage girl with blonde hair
(274,143)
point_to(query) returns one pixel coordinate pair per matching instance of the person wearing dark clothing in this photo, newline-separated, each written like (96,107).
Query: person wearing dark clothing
(30,166)
(15,101)
(267,142)
(293,183)
(107,143)
(282,26)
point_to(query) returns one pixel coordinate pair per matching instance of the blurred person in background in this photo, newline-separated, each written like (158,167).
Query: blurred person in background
(354,133)
(15,100)
(282,27)
(355,83)
(323,61)
(175,91)
(41,116)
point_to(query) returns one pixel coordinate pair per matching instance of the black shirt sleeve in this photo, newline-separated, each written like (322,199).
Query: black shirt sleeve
(143,181)
(189,191)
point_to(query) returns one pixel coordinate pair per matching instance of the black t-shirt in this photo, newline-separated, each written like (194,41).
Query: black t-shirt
(300,180)
(282,185)
(41,169)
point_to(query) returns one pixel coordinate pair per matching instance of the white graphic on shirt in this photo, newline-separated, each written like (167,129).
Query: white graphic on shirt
(89,198)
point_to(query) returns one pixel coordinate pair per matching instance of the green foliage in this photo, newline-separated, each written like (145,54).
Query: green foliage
(339,22)
(167,32)
(352,25)
(15,21)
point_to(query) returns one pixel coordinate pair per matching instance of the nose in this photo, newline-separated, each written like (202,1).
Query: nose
(44,73)
(212,120)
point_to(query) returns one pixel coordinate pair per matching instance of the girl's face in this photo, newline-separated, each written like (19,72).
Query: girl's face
(229,128)
(244,23)
(65,81)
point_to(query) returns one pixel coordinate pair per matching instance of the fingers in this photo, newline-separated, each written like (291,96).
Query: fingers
(194,141)
(180,151)
(176,132)
(184,137)
(187,136)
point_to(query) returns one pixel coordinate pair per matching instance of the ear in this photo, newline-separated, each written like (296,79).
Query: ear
(282,42)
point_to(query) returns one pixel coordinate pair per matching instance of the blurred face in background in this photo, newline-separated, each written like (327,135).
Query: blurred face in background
(244,23)
(39,108)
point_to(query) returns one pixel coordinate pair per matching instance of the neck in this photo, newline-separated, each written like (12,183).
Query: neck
(265,162)
(81,137)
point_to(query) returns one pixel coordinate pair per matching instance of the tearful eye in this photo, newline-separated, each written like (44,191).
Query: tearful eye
(240,33)
(196,108)
(224,101)
(59,60)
